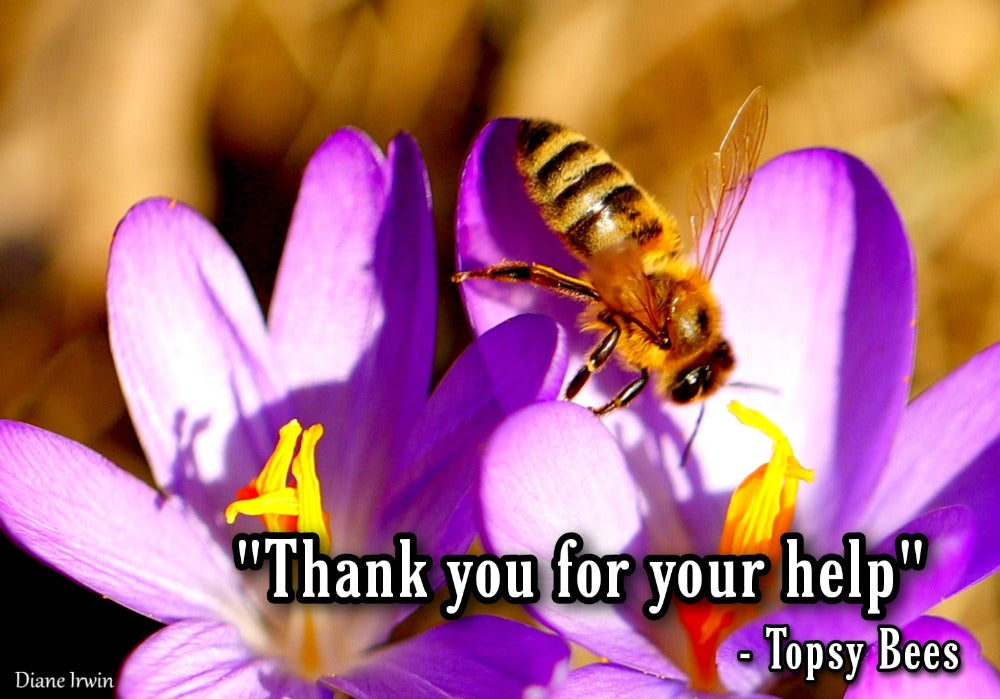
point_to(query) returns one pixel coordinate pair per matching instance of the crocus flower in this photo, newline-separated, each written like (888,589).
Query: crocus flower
(817,291)
(348,345)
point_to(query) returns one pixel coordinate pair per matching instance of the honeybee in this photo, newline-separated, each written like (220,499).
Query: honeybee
(653,303)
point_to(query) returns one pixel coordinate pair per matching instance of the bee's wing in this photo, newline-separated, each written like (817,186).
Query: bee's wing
(617,274)
(719,183)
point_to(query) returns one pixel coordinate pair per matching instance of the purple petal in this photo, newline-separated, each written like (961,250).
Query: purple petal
(550,469)
(353,311)
(817,289)
(950,533)
(877,343)
(946,453)
(602,680)
(516,363)
(204,659)
(192,355)
(976,677)
(477,656)
(326,305)
(110,531)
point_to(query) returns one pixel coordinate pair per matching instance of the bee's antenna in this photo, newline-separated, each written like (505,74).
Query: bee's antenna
(694,432)
(755,386)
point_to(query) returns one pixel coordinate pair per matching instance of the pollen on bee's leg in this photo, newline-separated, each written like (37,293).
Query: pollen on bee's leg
(285,507)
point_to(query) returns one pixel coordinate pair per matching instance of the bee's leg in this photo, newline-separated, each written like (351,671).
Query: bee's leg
(694,433)
(625,395)
(597,357)
(533,273)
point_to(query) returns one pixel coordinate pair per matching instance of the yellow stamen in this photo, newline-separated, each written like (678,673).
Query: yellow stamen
(763,505)
(275,471)
(283,507)
(311,515)
(277,502)
(760,511)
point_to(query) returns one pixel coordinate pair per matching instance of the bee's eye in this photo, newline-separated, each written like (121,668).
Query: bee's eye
(690,385)
(663,340)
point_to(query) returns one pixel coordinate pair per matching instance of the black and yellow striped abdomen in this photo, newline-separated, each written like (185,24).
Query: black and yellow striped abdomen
(583,195)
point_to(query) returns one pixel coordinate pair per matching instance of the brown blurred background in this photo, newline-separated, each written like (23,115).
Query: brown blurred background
(220,104)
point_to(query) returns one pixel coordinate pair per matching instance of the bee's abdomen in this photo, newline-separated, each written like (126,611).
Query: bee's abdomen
(587,198)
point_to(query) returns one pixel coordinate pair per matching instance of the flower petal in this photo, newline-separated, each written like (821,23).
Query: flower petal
(601,680)
(817,289)
(476,656)
(353,310)
(975,678)
(550,469)
(950,533)
(204,659)
(326,307)
(430,493)
(946,453)
(192,355)
(109,531)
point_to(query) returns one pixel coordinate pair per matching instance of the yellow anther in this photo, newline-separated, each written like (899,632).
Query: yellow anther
(762,507)
(274,475)
(311,516)
(284,507)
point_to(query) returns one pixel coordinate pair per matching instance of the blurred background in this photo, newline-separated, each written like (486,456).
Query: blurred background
(219,104)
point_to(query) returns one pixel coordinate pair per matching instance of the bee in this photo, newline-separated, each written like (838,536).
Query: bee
(652,302)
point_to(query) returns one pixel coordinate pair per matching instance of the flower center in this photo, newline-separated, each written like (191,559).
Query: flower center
(760,511)
(294,506)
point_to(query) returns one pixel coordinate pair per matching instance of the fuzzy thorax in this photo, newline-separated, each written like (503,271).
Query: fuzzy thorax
(677,304)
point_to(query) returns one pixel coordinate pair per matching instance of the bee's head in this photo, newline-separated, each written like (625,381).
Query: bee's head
(701,376)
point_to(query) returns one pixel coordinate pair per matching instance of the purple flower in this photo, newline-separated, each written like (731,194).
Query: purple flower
(348,344)
(817,289)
